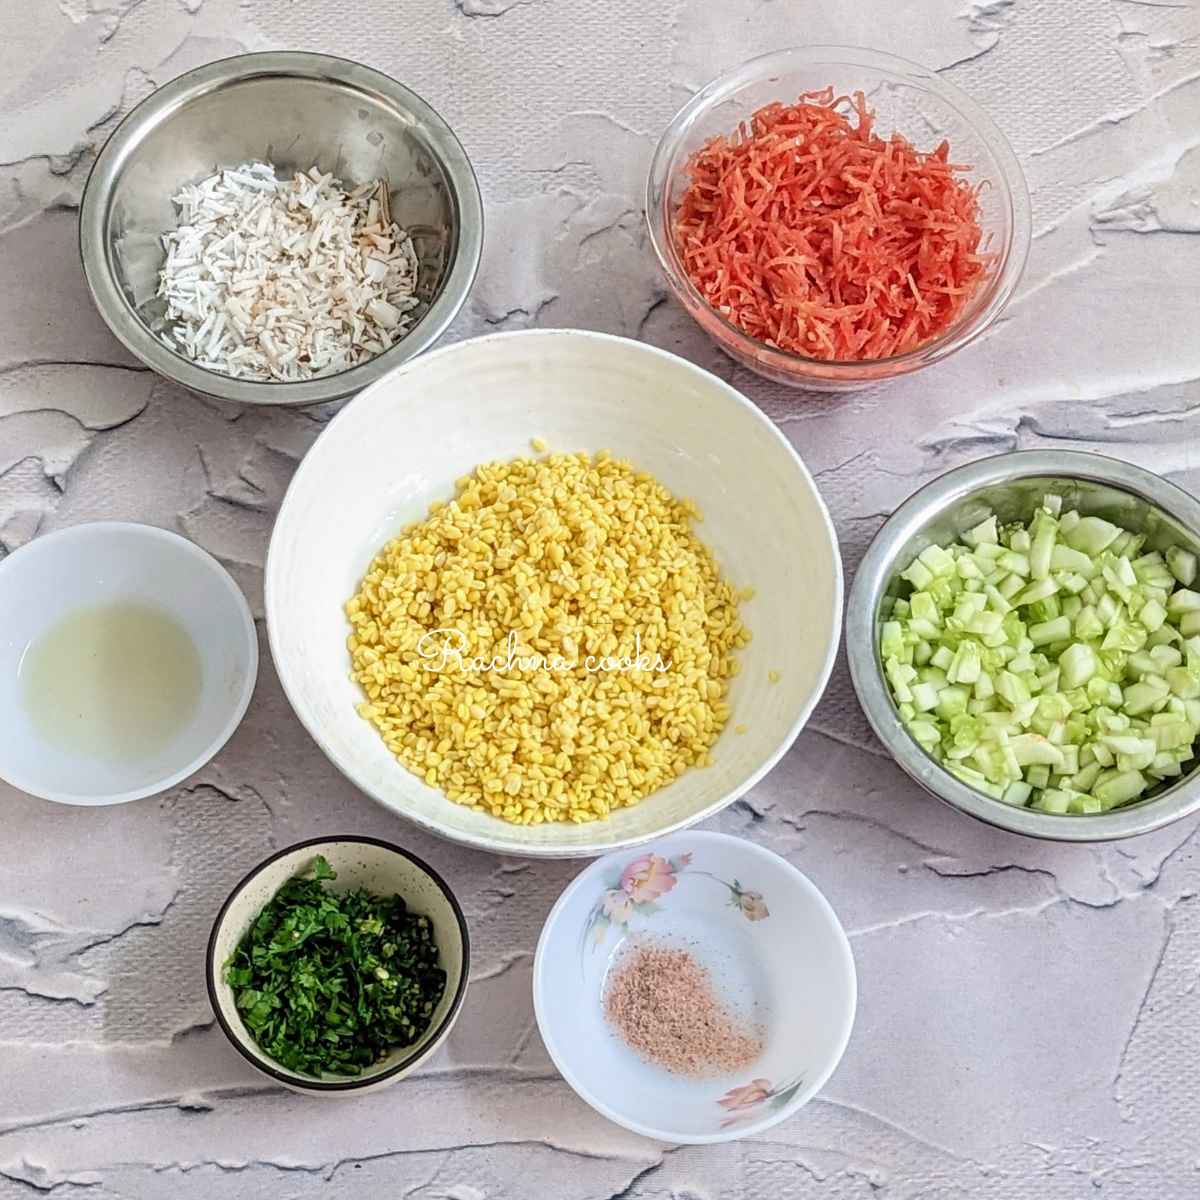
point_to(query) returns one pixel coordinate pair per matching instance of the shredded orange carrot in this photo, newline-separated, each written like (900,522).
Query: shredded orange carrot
(812,234)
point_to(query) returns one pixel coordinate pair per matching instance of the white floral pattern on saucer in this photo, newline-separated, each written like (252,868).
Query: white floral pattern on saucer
(645,880)
(771,944)
(746,1102)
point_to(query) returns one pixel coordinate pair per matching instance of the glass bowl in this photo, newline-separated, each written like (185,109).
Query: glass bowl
(906,97)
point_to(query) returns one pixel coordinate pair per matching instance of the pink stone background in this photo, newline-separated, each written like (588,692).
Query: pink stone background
(1030,1014)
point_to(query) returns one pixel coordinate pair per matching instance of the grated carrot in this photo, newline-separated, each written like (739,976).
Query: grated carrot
(811,233)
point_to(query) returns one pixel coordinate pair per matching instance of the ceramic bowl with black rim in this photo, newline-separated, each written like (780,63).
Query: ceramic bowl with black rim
(359,862)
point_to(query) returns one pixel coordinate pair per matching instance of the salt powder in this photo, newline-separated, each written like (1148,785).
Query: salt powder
(663,1004)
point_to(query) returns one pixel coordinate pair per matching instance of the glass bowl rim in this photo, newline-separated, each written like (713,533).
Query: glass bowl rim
(1010,181)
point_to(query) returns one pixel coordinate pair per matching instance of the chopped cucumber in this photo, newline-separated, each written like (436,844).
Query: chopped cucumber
(1078,663)
(1182,564)
(1058,630)
(985,531)
(1054,665)
(1017,793)
(1091,535)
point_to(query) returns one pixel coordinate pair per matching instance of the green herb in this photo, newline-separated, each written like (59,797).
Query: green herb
(330,983)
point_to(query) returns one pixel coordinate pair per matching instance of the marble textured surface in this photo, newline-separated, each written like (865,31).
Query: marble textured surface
(1030,1014)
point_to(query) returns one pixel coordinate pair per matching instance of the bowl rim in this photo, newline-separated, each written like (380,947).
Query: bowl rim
(594,846)
(351,1083)
(965,330)
(237,710)
(880,564)
(802,1096)
(131,331)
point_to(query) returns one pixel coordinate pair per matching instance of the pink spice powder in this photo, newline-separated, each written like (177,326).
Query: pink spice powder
(663,1004)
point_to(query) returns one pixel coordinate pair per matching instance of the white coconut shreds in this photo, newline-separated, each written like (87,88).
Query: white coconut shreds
(275,280)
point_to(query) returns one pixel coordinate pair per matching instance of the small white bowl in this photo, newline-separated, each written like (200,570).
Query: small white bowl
(773,946)
(404,441)
(360,862)
(109,562)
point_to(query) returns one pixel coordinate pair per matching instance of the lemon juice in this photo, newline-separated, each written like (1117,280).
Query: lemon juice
(116,681)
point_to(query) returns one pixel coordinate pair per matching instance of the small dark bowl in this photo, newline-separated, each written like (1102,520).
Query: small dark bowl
(359,862)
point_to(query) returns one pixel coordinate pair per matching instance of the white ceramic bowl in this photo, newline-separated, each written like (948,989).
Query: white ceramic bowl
(110,562)
(360,862)
(773,947)
(403,442)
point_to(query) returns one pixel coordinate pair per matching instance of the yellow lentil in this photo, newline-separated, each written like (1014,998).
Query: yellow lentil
(567,560)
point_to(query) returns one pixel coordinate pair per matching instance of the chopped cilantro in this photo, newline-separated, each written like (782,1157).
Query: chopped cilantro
(330,983)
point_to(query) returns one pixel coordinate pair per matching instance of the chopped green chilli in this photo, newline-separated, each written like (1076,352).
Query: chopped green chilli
(330,983)
(1052,665)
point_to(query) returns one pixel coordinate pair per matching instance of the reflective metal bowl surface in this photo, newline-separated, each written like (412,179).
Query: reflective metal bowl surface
(296,111)
(1011,485)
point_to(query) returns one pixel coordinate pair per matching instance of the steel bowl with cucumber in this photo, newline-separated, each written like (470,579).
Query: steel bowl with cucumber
(1024,637)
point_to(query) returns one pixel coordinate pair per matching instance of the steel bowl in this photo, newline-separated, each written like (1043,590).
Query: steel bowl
(296,111)
(1011,485)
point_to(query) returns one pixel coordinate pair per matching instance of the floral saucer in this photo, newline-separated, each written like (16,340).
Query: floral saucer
(772,945)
